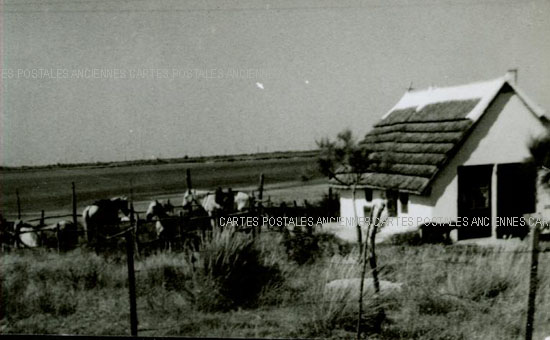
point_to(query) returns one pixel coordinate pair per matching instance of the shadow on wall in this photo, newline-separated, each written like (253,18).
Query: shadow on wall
(479,131)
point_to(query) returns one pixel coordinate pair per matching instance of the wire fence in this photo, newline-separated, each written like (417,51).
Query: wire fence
(324,300)
(320,301)
(199,228)
(183,222)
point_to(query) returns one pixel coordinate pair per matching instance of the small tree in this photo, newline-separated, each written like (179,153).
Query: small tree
(540,156)
(540,152)
(345,162)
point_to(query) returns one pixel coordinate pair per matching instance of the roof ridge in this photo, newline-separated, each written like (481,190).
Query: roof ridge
(476,82)
(493,86)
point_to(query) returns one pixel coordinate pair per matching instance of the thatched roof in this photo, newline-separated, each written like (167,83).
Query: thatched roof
(416,139)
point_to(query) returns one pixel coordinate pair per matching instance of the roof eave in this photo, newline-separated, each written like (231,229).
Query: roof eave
(374,187)
(536,109)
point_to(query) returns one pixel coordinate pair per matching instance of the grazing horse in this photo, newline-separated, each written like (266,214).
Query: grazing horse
(155,208)
(146,236)
(243,201)
(234,201)
(167,230)
(165,226)
(208,203)
(26,235)
(62,235)
(103,213)
(66,234)
(168,207)
(205,199)
(212,202)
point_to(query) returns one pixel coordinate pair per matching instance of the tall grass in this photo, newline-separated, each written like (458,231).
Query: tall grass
(333,312)
(42,282)
(231,272)
(236,286)
(461,292)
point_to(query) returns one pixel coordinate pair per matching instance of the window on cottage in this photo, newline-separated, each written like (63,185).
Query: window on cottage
(368,195)
(391,197)
(404,199)
(480,197)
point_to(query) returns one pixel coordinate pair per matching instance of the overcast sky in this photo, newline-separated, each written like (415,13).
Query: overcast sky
(101,80)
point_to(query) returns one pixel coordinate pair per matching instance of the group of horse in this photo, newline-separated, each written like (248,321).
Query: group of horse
(106,219)
(62,235)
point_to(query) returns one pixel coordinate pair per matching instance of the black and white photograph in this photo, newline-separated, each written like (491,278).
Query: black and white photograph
(275,169)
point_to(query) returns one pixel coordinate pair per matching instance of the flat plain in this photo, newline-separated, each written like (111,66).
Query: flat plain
(287,177)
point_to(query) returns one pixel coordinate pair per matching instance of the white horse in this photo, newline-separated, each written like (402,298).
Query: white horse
(26,235)
(165,225)
(205,199)
(242,201)
(63,234)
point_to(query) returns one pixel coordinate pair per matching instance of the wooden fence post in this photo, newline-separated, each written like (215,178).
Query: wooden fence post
(260,198)
(189,188)
(331,203)
(18,204)
(182,221)
(533,281)
(204,229)
(188,179)
(374,223)
(42,218)
(57,237)
(74,204)
(372,255)
(361,288)
(131,283)
(133,223)
(261,187)
(131,190)
(132,216)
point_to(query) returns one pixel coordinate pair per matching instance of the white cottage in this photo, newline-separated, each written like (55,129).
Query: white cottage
(453,154)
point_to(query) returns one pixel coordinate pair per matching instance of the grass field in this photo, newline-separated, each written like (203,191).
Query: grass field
(49,189)
(448,292)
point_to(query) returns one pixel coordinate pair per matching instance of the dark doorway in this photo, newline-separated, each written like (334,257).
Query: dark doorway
(474,200)
(516,195)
